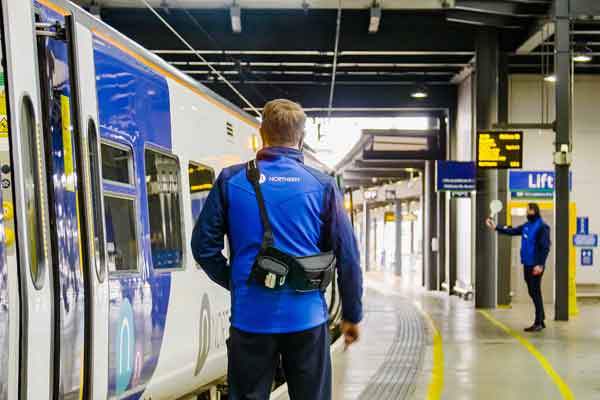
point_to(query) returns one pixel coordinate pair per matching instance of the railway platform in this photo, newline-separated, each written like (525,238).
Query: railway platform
(426,345)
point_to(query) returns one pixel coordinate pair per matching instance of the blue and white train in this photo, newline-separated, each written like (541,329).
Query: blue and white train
(106,155)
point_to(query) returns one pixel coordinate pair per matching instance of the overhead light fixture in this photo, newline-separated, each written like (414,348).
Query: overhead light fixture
(550,78)
(420,92)
(375,18)
(582,54)
(236,18)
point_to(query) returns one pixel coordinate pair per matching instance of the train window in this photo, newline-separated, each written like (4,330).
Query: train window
(116,164)
(164,209)
(33,195)
(96,211)
(121,243)
(201,181)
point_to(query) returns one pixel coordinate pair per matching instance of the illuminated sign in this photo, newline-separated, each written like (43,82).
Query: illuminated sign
(370,194)
(499,150)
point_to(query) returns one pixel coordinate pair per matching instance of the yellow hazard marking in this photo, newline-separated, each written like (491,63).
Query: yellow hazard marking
(564,389)
(65,112)
(436,382)
(3,126)
(9,237)
(7,210)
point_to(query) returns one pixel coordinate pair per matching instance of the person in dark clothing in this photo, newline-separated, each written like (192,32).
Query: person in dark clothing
(306,216)
(535,246)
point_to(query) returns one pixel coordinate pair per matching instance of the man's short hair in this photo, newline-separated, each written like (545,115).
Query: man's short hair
(283,123)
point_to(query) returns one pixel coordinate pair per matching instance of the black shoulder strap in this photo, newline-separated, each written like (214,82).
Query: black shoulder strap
(253,174)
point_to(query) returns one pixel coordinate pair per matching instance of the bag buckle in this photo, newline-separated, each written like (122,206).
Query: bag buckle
(271,280)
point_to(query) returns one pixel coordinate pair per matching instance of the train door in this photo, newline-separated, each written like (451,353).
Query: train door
(67,205)
(26,295)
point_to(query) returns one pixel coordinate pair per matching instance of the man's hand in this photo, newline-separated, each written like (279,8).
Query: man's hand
(537,270)
(351,333)
(490,223)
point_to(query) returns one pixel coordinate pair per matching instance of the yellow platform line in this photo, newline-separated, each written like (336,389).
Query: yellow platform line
(564,389)
(436,382)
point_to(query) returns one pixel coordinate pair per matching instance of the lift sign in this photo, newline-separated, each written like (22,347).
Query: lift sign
(499,150)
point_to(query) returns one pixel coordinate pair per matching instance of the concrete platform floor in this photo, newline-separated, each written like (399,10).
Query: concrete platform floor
(481,355)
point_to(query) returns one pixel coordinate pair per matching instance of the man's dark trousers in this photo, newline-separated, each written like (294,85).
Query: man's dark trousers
(253,358)
(534,286)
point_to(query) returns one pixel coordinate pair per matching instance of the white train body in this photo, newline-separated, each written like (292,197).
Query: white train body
(106,155)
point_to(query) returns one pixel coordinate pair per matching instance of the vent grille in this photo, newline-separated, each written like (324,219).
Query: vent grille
(229,129)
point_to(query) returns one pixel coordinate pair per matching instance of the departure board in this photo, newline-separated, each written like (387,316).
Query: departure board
(500,149)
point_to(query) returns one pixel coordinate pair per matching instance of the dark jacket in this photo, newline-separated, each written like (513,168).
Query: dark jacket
(535,241)
(306,212)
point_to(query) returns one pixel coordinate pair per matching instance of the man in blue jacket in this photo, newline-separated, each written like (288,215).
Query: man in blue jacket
(306,214)
(535,246)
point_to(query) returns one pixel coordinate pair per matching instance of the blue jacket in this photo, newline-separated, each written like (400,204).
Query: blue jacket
(307,216)
(535,241)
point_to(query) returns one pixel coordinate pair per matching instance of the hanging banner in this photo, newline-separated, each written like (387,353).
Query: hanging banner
(455,176)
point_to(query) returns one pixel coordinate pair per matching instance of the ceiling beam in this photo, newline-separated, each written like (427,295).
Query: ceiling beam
(537,38)
(400,164)
(464,73)
(385,53)
(375,173)
(483,19)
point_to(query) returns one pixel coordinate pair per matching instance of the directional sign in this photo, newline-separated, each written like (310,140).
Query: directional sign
(533,184)
(583,225)
(455,176)
(587,257)
(585,240)
(499,149)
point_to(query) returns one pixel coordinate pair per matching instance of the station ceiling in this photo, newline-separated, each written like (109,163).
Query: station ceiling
(286,48)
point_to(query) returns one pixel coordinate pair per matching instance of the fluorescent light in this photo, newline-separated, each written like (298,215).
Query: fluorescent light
(582,58)
(236,18)
(375,19)
(550,78)
(420,92)
(583,53)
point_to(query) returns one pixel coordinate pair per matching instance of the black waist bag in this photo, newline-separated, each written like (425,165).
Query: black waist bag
(274,268)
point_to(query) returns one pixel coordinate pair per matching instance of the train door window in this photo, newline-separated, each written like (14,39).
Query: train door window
(201,181)
(117,164)
(164,209)
(119,208)
(121,243)
(33,200)
(96,200)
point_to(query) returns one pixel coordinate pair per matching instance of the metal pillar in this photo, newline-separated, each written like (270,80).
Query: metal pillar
(504,242)
(562,68)
(441,238)
(430,264)
(367,233)
(398,255)
(487,180)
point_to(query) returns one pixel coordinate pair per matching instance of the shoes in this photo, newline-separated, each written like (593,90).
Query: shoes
(535,327)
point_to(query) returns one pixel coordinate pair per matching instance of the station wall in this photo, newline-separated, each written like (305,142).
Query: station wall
(526,105)
(532,100)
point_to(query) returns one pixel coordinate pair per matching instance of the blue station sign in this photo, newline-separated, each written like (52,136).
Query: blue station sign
(532,184)
(455,176)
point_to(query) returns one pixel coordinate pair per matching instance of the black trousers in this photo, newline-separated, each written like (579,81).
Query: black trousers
(253,358)
(534,286)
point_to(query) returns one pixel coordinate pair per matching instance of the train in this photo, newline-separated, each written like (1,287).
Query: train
(107,153)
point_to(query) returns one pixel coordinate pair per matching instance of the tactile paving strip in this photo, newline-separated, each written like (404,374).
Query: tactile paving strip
(396,377)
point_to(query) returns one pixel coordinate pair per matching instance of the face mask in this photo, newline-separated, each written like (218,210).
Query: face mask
(531,217)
